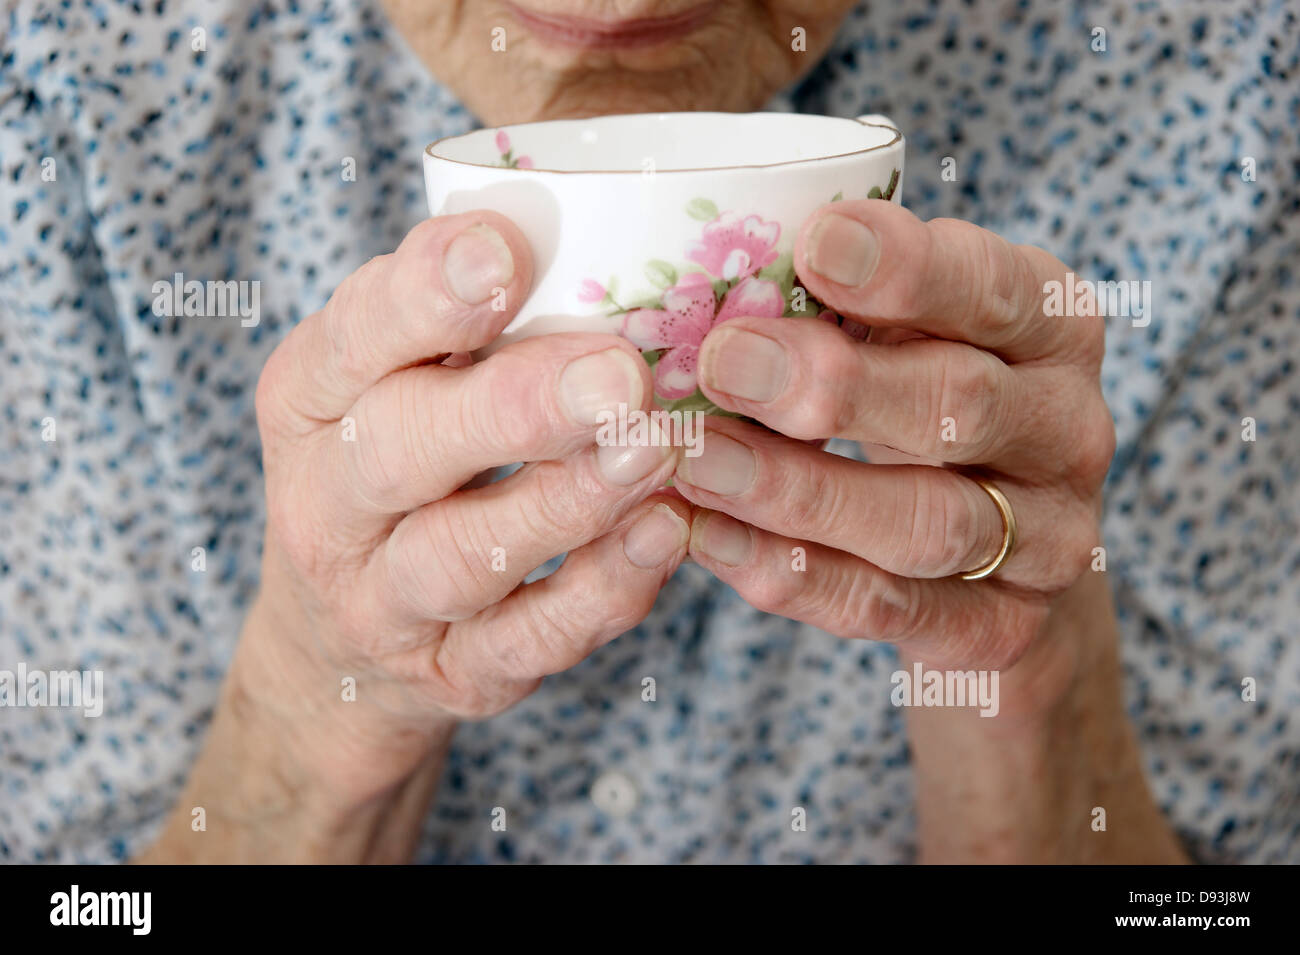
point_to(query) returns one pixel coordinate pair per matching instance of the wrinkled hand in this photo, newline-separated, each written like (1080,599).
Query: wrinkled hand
(382,565)
(990,387)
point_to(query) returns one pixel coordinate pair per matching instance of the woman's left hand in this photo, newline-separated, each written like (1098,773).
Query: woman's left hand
(997,389)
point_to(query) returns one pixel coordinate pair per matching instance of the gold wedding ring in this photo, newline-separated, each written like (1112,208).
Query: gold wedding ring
(1008,531)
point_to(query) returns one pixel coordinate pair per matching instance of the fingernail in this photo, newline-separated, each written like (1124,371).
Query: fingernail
(655,537)
(842,250)
(598,383)
(721,538)
(744,364)
(476,262)
(626,464)
(723,466)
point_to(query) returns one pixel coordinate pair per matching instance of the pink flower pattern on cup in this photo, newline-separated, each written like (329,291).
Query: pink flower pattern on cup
(734,246)
(734,268)
(743,273)
(690,309)
(590,291)
(508,158)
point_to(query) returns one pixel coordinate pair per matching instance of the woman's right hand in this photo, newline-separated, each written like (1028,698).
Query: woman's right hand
(384,577)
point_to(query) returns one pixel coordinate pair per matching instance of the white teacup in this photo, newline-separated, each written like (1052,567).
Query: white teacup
(659,226)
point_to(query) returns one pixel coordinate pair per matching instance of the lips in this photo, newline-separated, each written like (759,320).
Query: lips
(596,34)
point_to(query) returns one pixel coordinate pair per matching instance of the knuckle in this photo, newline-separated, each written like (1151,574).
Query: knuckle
(907,293)
(622,615)
(414,273)
(1006,638)
(395,421)
(842,595)
(942,526)
(816,414)
(1007,287)
(595,610)
(349,354)
(994,278)
(883,610)
(430,570)
(355,289)
(418,426)
(967,388)
(960,521)
(1074,562)
(822,408)
(517,652)
(423,235)
(1093,446)
(270,384)
(980,267)
(813,498)
(777,591)
(296,532)
(545,644)
(393,450)
(559,503)
(1091,339)
(455,690)
(1074,554)
(620,607)
(356,624)
(380,468)
(501,411)
(985,272)
(469,432)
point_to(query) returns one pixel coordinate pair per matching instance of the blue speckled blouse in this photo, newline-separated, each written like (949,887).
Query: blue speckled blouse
(1128,164)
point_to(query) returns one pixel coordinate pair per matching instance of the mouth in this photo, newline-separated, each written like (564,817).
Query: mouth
(619,34)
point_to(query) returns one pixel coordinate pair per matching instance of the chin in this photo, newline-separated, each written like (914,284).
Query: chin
(605,100)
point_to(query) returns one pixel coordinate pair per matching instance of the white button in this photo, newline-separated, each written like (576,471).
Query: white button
(614,793)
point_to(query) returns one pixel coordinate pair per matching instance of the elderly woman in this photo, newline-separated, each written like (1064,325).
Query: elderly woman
(302,656)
